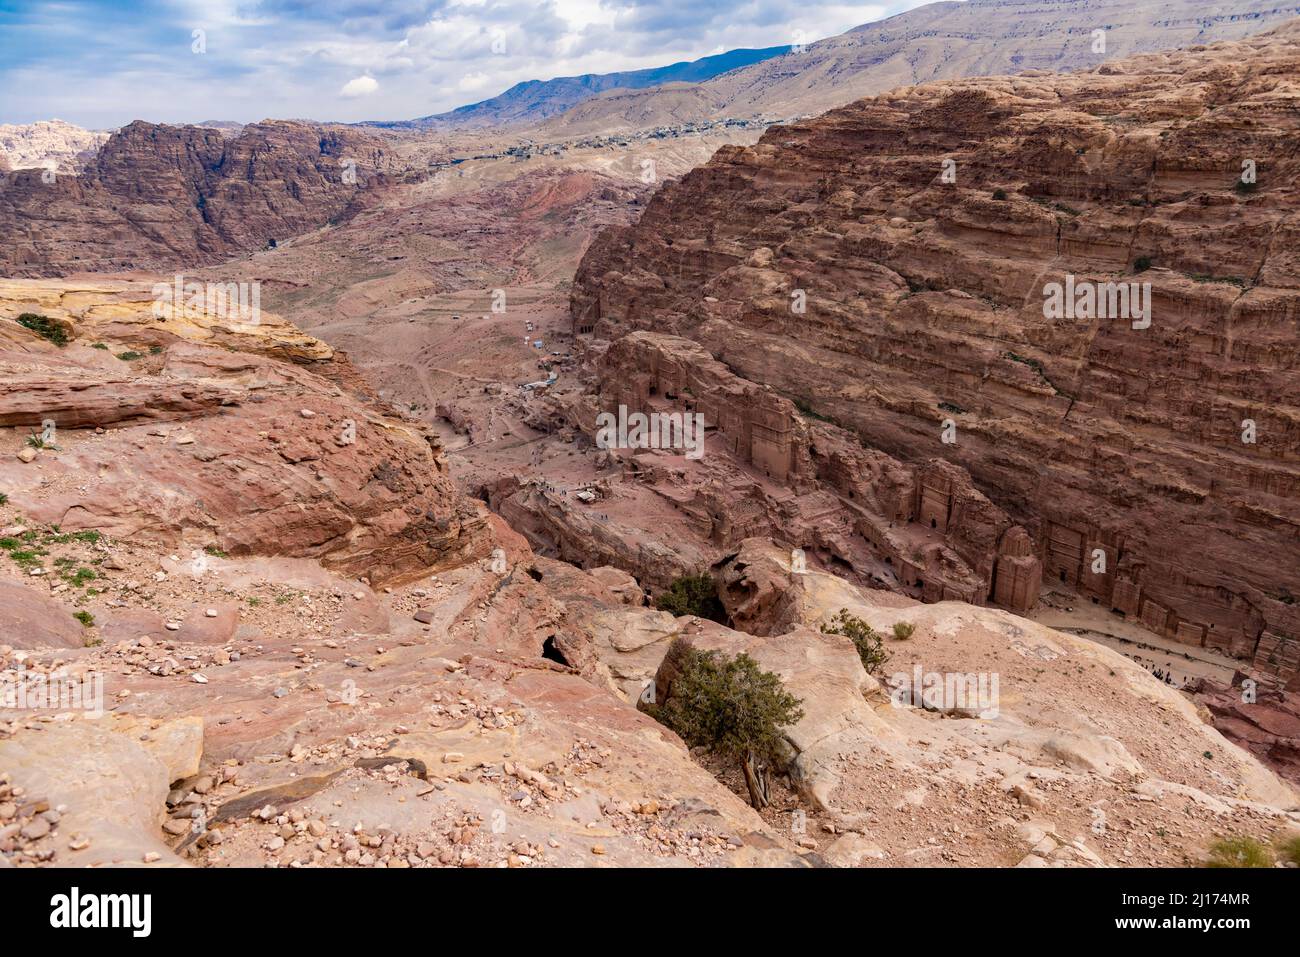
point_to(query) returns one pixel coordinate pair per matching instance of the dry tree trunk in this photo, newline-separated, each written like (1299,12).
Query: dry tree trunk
(756,780)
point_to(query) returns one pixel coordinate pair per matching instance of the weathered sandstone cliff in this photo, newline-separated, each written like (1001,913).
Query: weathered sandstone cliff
(202,431)
(48,144)
(166,196)
(886,266)
(768,470)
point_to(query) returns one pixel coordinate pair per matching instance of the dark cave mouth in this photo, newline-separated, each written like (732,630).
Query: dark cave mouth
(551,652)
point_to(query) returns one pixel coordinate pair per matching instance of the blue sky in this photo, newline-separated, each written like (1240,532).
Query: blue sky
(102,64)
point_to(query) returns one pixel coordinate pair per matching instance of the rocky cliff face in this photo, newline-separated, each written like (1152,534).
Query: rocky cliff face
(768,470)
(890,266)
(48,144)
(165,196)
(199,432)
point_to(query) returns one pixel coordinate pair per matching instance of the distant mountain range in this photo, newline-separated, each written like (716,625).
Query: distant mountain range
(537,100)
(939,41)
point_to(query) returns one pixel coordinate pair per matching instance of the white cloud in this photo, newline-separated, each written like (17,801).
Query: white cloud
(385,59)
(361,86)
(474,82)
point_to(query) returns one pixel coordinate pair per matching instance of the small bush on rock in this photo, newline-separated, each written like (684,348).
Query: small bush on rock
(1291,850)
(731,708)
(45,327)
(693,595)
(1239,852)
(865,638)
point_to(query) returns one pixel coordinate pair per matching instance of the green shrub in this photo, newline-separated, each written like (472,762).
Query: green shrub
(808,412)
(45,327)
(85,617)
(904,630)
(1239,852)
(4,499)
(999,194)
(129,356)
(731,708)
(89,536)
(80,577)
(865,639)
(1142,264)
(99,345)
(1245,188)
(693,595)
(1289,849)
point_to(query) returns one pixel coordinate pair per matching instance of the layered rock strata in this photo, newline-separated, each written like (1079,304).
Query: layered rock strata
(766,469)
(890,266)
(204,432)
(159,196)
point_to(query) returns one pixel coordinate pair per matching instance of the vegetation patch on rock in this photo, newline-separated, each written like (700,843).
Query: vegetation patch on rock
(732,709)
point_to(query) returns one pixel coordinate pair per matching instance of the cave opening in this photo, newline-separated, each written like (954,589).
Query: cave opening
(534,574)
(552,653)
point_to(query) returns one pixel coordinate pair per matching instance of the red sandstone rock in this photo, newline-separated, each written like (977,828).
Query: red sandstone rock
(167,196)
(131,624)
(1268,724)
(1118,450)
(770,470)
(199,444)
(31,620)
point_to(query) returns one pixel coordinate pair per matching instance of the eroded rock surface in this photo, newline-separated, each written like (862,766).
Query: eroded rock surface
(1264,722)
(487,716)
(300,738)
(1100,754)
(166,196)
(202,432)
(921,315)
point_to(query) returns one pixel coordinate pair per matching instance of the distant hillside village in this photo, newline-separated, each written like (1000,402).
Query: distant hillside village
(527,150)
